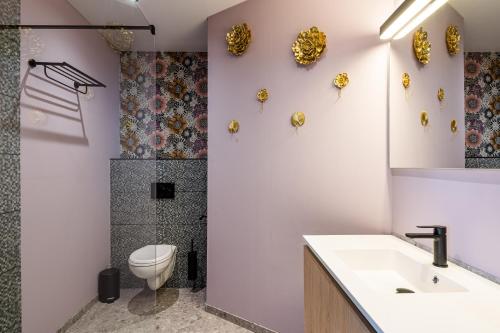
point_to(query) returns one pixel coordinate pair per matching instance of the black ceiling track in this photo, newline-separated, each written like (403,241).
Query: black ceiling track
(151,28)
(81,81)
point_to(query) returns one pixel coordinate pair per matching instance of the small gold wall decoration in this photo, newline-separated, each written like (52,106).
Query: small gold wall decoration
(309,46)
(441,94)
(422,46)
(238,39)
(341,81)
(262,97)
(424,118)
(453,40)
(454,126)
(234,127)
(298,119)
(406,81)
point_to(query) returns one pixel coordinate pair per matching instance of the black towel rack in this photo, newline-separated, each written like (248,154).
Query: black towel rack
(79,78)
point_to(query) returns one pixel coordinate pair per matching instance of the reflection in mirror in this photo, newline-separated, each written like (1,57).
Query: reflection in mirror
(452,62)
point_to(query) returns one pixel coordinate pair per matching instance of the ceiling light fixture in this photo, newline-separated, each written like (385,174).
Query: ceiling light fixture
(407,17)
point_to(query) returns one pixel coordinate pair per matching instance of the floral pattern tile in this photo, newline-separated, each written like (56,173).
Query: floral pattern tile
(482,104)
(163,105)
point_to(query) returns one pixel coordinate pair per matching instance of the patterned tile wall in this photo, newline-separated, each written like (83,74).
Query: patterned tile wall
(137,220)
(164,105)
(10,224)
(482,109)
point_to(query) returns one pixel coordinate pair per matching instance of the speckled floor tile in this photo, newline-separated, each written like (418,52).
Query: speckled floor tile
(139,311)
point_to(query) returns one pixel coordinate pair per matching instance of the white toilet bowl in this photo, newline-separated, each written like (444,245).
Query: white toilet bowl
(155,263)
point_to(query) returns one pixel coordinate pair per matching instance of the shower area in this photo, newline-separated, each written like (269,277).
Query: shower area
(103,159)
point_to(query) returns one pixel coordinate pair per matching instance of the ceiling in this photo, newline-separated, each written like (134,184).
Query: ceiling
(482,24)
(181,25)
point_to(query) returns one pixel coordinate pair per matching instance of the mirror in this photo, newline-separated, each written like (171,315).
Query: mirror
(445,113)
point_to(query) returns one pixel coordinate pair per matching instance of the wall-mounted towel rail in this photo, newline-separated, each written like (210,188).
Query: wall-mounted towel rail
(80,79)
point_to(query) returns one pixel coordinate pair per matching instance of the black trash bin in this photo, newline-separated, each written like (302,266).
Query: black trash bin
(109,285)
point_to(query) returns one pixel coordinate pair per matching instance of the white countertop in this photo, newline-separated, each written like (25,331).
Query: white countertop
(474,311)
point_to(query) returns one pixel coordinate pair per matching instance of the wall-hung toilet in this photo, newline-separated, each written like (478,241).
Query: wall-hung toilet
(155,263)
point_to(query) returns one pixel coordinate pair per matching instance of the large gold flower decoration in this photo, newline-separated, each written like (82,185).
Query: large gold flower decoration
(341,80)
(422,46)
(238,39)
(495,140)
(453,40)
(177,124)
(309,46)
(495,105)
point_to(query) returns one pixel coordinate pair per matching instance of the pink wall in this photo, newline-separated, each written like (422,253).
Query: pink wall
(270,184)
(411,145)
(464,200)
(65,156)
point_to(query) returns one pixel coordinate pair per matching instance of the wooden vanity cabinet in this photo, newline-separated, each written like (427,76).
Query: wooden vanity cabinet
(327,308)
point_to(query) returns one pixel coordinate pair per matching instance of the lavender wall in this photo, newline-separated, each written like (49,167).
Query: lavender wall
(435,146)
(65,152)
(464,200)
(270,184)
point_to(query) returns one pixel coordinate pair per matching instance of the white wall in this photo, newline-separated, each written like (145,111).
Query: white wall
(65,152)
(434,146)
(270,184)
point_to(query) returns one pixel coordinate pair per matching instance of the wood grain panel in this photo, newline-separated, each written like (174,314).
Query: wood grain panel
(327,308)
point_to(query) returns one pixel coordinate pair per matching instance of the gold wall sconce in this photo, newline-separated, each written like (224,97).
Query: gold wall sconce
(262,97)
(298,119)
(424,118)
(441,94)
(341,81)
(454,126)
(234,127)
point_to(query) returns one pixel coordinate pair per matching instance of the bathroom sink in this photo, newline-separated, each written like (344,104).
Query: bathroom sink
(390,271)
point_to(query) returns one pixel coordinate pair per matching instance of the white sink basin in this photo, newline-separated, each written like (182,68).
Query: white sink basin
(369,269)
(385,271)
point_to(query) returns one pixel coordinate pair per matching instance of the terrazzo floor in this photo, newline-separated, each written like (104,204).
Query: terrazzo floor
(175,310)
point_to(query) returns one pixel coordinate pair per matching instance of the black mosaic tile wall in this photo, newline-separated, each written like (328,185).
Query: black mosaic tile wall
(137,220)
(10,223)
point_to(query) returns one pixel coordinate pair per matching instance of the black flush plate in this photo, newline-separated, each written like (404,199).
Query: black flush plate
(162,191)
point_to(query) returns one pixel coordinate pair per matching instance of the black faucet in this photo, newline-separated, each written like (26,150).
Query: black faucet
(439,236)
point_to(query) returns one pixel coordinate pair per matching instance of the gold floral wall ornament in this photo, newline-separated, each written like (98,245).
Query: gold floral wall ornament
(233,127)
(441,94)
(341,81)
(309,46)
(262,97)
(406,81)
(238,39)
(298,119)
(422,46)
(453,40)
(424,118)
(454,126)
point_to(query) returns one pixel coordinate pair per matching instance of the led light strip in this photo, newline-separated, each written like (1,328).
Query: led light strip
(407,17)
